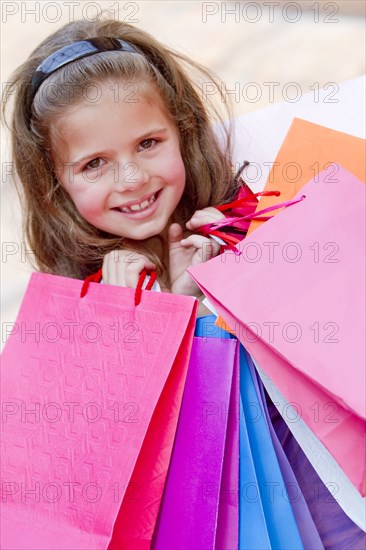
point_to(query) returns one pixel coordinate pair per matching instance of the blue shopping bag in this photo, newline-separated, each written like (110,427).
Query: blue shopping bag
(266,518)
(306,525)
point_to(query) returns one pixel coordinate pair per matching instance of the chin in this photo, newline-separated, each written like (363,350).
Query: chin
(140,233)
(143,236)
(158,230)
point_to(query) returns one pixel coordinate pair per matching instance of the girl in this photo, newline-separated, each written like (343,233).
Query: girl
(119,164)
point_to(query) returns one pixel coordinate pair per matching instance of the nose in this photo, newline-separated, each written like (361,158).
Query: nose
(131,175)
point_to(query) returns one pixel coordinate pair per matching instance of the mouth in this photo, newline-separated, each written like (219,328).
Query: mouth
(143,207)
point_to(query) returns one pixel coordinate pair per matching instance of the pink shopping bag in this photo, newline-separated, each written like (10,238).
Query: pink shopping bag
(295,298)
(91,390)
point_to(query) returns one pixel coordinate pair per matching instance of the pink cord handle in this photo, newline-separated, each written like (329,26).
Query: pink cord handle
(205,229)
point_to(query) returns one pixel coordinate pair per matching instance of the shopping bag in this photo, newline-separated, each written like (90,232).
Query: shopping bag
(305,523)
(200,503)
(307,150)
(254,532)
(266,515)
(91,391)
(305,291)
(326,470)
(336,528)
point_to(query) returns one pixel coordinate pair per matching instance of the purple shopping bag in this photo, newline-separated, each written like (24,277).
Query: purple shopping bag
(200,502)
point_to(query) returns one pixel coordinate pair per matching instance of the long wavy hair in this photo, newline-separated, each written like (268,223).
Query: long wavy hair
(62,241)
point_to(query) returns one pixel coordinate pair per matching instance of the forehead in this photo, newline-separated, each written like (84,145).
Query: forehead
(112,100)
(120,114)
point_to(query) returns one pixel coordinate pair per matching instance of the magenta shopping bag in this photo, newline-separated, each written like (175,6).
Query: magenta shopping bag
(295,298)
(200,504)
(91,390)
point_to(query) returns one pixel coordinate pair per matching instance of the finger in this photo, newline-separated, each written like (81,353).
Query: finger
(203,217)
(133,271)
(109,273)
(115,274)
(197,241)
(114,265)
(175,234)
(207,248)
(124,268)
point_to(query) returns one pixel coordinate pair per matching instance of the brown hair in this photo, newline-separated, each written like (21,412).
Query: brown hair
(62,241)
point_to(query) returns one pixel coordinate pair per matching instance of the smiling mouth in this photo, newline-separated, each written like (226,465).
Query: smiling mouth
(138,207)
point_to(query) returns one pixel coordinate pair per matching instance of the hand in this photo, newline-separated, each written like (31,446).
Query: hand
(203,217)
(123,267)
(191,251)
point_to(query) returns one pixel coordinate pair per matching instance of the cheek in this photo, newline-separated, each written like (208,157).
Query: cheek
(88,202)
(180,177)
(175,171)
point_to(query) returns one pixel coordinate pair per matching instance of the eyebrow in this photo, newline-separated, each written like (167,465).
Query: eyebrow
(101,153)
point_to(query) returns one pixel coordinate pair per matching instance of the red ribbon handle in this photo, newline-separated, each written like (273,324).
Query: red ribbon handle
(248,198)
(138,291)
(97,277)
(93,278)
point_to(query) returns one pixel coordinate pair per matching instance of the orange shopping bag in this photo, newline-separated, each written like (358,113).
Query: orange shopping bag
(307,150)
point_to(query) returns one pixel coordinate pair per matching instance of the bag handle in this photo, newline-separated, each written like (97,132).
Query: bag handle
(93,278)
(228,223)
(97,277)
(205,229)
(247,199)
(138,291)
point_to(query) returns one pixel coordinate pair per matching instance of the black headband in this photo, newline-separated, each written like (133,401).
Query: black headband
(74,51)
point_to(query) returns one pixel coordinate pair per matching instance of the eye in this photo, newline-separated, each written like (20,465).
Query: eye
(147,144)
(93,164)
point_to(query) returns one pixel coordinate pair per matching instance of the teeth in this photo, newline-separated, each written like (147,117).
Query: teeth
(135,207)
(138,207)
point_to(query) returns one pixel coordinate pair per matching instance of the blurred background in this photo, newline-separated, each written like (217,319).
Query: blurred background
(264,52)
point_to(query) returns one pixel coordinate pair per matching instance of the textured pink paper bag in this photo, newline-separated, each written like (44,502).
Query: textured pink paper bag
(295,298)
(80,382)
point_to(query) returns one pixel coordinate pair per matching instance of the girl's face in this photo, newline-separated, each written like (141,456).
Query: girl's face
(120,161)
